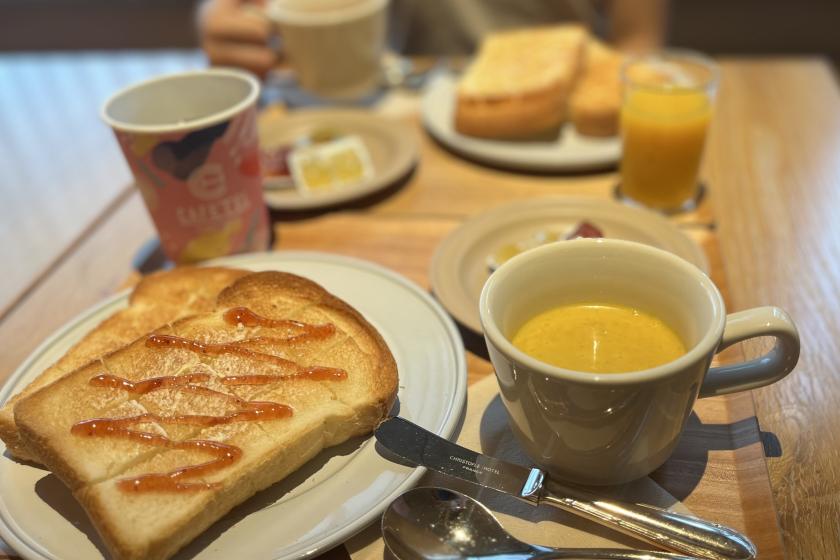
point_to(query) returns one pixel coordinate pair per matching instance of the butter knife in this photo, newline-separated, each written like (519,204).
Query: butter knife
(660,527)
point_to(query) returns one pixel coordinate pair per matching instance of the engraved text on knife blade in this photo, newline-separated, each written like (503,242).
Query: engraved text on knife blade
(431,451)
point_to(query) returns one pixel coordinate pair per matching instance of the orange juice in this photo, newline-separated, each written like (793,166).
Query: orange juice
(664,118)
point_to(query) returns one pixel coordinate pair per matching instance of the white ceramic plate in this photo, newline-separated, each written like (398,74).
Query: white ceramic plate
(332,497)
(569,152)
(391,144)
(459,266)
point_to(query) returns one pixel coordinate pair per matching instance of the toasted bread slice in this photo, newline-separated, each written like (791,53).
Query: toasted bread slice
(158,299)
(302,364)
(519,83)
(595,103)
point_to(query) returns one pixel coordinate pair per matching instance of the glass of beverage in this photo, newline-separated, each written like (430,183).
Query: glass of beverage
(665,114)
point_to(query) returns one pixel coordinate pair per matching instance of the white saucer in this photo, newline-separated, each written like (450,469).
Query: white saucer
(391,145)
(459,266)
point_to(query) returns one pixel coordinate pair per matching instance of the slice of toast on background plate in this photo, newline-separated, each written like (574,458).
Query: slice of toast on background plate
(518,85)
(595,103)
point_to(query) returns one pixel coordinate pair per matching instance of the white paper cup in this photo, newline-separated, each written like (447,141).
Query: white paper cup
(191,141)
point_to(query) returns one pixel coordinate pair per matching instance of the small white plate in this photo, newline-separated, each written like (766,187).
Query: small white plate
(459,266)
(391,144)
(569,152)
(324,503)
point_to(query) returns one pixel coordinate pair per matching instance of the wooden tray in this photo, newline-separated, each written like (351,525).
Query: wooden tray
(718,470)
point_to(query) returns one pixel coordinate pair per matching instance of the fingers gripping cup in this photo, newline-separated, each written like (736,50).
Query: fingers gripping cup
(191,142)
(597,425)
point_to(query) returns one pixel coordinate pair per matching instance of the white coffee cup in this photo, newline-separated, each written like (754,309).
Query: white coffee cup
(334,46)
(611,428)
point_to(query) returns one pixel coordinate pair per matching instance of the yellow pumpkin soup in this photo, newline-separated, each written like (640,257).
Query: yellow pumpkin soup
(599,338)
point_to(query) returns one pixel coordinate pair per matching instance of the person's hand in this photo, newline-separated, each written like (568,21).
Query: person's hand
(231,35)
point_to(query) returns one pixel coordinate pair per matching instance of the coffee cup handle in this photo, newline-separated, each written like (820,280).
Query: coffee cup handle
(767,369)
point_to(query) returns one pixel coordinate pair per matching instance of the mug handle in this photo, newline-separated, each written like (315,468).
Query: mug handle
(769,368)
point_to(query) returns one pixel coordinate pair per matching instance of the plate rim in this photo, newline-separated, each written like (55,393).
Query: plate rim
(472,148)
(436,265)
(449,424)
(395,129)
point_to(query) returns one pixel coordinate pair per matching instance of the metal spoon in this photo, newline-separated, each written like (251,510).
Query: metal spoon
(443,524)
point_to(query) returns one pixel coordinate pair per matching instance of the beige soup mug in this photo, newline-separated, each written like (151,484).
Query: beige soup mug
(611,428)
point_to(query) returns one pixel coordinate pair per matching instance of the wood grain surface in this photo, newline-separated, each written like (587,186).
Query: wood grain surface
(772,165)
(61,167)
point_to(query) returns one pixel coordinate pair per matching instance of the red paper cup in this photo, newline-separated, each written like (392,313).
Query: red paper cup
(191,142)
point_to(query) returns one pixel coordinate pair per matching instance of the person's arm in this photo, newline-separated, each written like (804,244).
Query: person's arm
(233,36)
(637,25)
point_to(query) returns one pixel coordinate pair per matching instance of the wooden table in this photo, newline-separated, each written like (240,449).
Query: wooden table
(71,227)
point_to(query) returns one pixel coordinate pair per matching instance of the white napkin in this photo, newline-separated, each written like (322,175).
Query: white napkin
(485,427)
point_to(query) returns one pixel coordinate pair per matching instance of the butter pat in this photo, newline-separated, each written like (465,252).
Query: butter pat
(332,165)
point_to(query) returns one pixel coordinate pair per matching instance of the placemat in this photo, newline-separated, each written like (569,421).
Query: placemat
(485,428)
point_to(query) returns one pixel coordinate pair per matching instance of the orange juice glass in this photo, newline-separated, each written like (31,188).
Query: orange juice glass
(665,114)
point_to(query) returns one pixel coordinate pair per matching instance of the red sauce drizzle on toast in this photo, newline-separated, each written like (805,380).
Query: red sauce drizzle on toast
(246,317)
(174,481)
(316,373)
(234,349)
(223,455)
(231,348)
(147,385)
